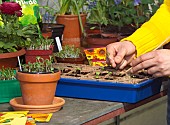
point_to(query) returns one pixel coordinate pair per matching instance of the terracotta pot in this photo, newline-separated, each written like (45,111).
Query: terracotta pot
(47,34)
(71,60)
(53,30)
(72,31)
(38,89)
(57,31)
(32,54)
(93,31)
(17,104)
(10,59)
(97,40)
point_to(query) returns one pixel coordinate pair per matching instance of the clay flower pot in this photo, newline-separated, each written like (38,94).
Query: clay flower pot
(47,34)
(100,40)
(72,31)
(10,59)
(31,55)
(71,60)
(17,104)
(38,89)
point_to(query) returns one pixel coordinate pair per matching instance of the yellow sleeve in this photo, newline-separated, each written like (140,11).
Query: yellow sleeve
(152,33)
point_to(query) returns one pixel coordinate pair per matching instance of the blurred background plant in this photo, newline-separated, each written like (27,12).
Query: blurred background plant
(41,44)
(7,74)
(121,13)
(48,11)
(50,8)
(132,12)
(69,52)
(98,13)
(14,35)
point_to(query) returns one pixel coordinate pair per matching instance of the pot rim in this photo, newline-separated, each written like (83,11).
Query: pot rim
(55,71)
(37,78)
(13,54)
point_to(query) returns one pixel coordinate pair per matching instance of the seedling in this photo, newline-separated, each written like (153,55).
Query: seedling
(97,74)
(7,74)
(40,66)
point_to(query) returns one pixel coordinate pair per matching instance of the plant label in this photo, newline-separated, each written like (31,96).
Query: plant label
(57,39)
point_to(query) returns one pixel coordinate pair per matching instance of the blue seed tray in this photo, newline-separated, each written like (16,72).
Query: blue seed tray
(108,91)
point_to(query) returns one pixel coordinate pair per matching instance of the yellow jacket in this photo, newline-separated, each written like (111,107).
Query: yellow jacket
(152,33)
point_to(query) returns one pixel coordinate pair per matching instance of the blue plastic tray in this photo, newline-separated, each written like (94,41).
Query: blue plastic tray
(109,91)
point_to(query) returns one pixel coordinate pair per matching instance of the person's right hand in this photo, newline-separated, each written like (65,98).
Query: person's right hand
(119,54)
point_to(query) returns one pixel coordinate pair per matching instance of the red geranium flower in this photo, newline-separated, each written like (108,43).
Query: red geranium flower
(18,13)
(10,8)
(0,7)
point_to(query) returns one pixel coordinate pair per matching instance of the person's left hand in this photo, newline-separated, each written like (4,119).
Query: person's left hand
(156,62)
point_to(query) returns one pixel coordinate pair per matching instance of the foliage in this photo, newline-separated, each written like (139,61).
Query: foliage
(48,11)
(73,7)
(63,7)
(7,74)
(41,44)
(69,52)
(98,12)
(13,35)
(121,12)
(97,74)
(40,66)
(134,13)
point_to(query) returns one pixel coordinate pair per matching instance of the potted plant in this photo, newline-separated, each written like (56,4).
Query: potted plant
(128,16)
(38,82)
(9,85)
(50,29)
(49,24)
(13,35)
(122,17)
(99,19)
(42,47)
(98,15)
(70,54)
(71,14)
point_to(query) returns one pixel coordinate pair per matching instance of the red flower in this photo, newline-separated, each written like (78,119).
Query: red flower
(0,7)
(10,8)
(18,13)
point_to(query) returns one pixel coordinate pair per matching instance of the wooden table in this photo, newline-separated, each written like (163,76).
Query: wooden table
(90,112)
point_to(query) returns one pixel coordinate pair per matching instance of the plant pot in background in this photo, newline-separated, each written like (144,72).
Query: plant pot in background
(72,31)
(57,31)
(71,60)
(53,30)
(38,89)
(31,55)
(93,31)
(98,40)
(126,31)
(47,34)
(10,59)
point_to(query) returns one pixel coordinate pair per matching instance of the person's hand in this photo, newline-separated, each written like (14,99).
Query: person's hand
(119,54)
(156,62)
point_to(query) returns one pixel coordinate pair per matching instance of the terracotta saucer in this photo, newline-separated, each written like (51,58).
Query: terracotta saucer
(17,104)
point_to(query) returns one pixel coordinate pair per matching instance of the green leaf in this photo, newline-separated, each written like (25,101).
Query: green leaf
(20,33)
(28,19)
(9,46)
(1,44)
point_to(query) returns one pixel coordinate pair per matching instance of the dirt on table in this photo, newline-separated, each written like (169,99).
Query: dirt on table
(103,74)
